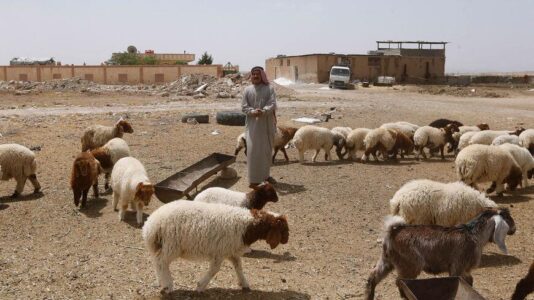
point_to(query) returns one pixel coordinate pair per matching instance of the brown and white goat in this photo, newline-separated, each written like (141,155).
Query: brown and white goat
(85,171)
(411,249)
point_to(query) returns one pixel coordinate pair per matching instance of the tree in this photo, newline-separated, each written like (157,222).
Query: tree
(125,58)
(206,59)
(150,60)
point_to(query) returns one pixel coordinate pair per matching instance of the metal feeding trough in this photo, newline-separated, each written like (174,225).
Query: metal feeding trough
(441,288)
(181,183)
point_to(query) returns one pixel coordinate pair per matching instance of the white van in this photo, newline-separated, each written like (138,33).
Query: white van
(339,77)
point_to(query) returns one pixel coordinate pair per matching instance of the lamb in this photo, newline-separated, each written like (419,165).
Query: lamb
(410,249)
(282,136)
(434,203)
(84,175)
(340,135)
(255,199)
(18,162)
(526,140)
(97,135)
(202,231)
(109,154)
(379,139)
(316,138)
(440,123)
(130,184)
(463,130)
(482,163)
(525,286)
(486,137)
(523,158)
(505,139)
(355,141)
(428,136)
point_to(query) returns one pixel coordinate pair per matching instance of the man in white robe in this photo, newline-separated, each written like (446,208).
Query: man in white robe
(259,104)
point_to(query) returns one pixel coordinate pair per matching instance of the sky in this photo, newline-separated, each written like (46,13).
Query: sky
(484,36)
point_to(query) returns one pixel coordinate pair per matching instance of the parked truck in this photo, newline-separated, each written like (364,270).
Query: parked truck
(340,77)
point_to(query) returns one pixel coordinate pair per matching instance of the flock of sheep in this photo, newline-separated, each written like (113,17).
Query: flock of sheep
(434,227)
(466,218)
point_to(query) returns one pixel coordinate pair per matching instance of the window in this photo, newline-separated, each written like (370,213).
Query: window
(288,62)
(123,78)
(89,77)
(160,77)
(281,62)
(56,76)
(23,77)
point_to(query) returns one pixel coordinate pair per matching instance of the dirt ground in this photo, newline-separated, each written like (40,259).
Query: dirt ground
(51,250)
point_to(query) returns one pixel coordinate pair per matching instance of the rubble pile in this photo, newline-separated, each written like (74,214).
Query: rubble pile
(197,86)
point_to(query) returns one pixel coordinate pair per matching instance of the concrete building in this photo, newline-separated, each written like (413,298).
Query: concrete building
(169,58)
(407,61)
(145,74)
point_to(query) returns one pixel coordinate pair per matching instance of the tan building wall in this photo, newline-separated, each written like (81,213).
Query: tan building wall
(107,74)
(316,67)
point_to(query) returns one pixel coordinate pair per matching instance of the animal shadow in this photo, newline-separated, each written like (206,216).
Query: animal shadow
(283,188)
(266,254)
(235,294)
(3,206)
(492,260)
(130,218)
(94,206)
(24,197)
(510,198)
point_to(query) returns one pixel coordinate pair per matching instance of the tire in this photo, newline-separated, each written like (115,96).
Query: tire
(231,118)
(201,118)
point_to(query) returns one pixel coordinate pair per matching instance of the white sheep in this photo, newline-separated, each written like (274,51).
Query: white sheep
(483,163)
(506,139)
(379,139)
(18,162)
(429,202)
(526,140)
(340,139)
(413,126)
(131,185)
(407,130)
(431,137)
(486,137)
(312,137)
(523,158)
(255,199)
(109,154)
(355,141)
(464,139)
(97,135)
(203,231)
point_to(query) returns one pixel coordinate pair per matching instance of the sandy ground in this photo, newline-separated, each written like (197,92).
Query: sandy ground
(51,250)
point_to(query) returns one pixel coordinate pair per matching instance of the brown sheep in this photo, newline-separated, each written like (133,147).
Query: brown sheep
(85,171)
(402,143)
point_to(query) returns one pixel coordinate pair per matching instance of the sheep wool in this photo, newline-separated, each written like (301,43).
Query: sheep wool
(378,139)
(523,158)
(97,135)
(130,184)
(505,139)
(526,140)
(222,196)
(406,129)
(355,141)
(18,162)
(434,203)
(482,163)
(311,137)
(486,137)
